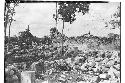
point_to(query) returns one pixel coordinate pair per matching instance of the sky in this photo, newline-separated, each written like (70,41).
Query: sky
(39,16)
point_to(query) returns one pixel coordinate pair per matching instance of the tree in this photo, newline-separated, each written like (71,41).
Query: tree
(8,16)
(115,21)
(67,10)
(53,32)
(25,37)
(46,40)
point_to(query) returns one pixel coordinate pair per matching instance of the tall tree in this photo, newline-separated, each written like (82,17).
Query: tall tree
(67,12)
(9,12)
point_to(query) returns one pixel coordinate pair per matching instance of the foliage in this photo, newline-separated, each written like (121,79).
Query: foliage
(53,32)
(46,40)
(25,37)
(9,12)
(115,19)
(67,10)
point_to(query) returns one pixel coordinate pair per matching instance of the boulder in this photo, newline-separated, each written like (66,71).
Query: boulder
(103,76)
(114,73)
(105,81)
(11,72)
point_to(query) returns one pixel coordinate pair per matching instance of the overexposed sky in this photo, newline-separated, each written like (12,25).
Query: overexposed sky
(40,18)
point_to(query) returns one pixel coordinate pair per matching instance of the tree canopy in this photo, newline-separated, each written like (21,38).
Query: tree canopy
(67,10)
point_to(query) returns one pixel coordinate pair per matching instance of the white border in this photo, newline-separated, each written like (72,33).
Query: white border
(122,42)
(122,36)
(2,41)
